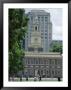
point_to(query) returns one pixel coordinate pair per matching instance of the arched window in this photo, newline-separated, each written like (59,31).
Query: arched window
(35,28)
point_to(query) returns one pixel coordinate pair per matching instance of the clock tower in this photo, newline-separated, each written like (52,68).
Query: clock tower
(35,36)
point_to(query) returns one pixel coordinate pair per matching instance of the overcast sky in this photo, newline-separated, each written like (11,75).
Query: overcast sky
(56,19)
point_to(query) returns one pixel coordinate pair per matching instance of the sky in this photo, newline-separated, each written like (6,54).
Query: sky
(56,19)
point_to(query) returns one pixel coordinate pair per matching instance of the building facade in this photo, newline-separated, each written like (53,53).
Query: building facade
(44,27)
(57,42)
(46,65)
(38,61)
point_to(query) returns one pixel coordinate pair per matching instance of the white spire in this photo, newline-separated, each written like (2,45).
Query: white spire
(35,20)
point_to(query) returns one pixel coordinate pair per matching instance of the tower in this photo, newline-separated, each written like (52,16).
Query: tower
(35,44)
(40,23)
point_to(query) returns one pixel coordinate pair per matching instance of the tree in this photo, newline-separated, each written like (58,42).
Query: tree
(17,29)
(56,48)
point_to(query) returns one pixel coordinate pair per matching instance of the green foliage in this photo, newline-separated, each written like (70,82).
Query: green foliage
(17,29)
(56,48)
(17,25)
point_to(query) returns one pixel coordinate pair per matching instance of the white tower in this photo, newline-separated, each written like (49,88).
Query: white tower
(35,35)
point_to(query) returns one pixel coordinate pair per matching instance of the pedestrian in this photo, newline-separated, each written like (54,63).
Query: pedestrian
(59,79)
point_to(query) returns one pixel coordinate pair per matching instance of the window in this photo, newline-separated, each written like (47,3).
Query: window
(53,72)
(45,33)
(46,61)
(53,61)
(59,61)
(46,30)
(58,72)
(25,60)
(46,21)
(47,72)
(45,37)
(46,18)
(36,28)
(31,49)
(28,61)
(32,61)
(50,61)
(42,18)
(42,72)
(41,61)
(36,61)
(40,49)
(41,33)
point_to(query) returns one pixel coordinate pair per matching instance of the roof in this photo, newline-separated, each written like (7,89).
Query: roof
(38,12)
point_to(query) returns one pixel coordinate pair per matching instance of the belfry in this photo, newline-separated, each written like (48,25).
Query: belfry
(35,37)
